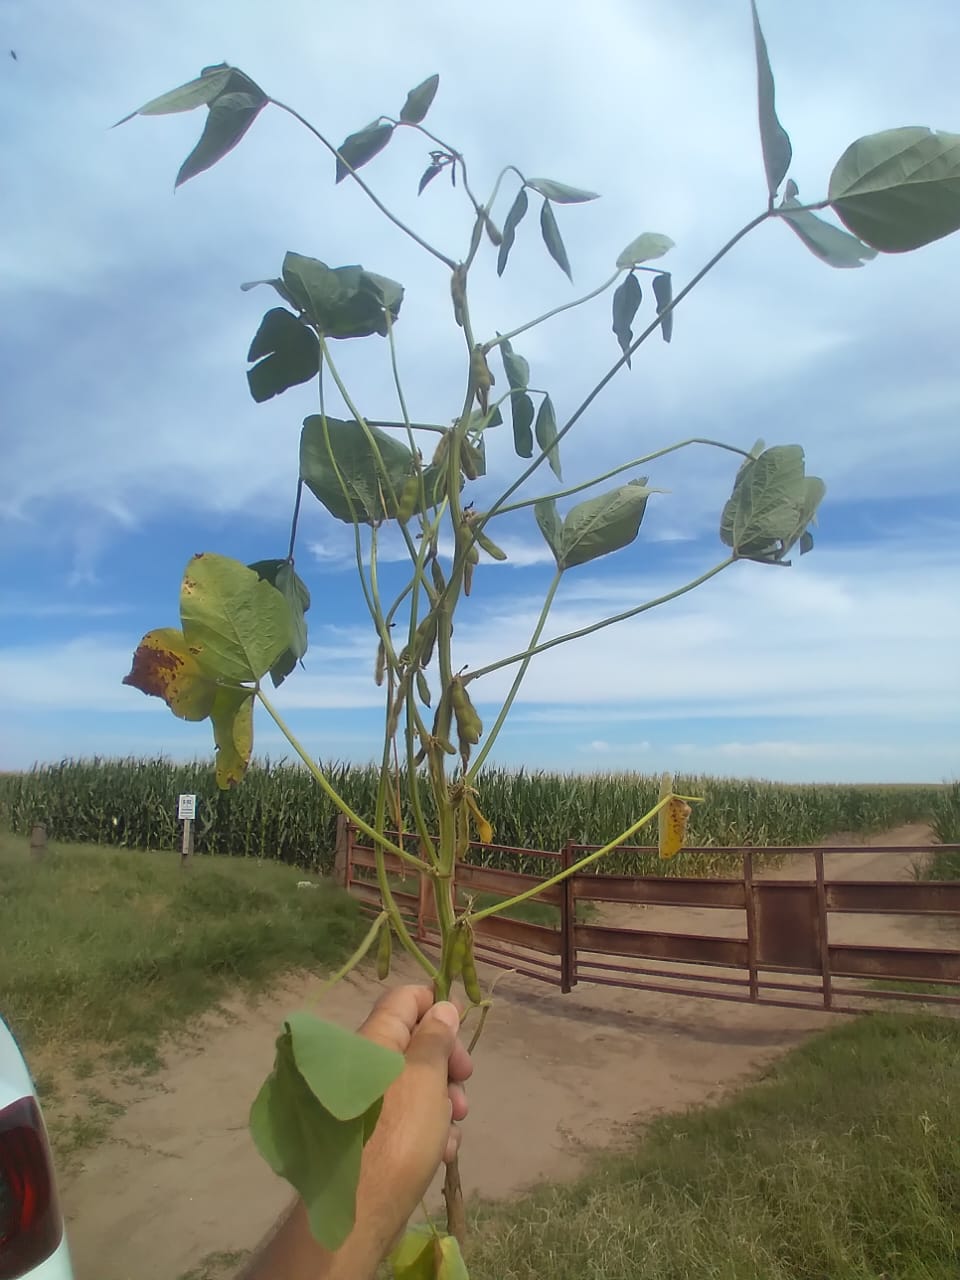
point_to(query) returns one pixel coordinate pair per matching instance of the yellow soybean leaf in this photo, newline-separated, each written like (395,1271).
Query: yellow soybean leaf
(673,826)
(484,829)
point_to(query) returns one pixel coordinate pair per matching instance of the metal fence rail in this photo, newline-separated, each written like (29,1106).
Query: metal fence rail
(780,951)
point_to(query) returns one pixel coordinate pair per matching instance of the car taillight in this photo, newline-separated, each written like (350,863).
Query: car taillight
(31,1225)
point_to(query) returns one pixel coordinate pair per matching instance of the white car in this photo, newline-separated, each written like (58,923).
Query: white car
(32,1239)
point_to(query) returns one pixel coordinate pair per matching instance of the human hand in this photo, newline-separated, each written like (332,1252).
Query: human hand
(417,1129)
(416,1132)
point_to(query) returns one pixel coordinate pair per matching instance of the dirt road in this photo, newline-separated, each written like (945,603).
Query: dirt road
(178,1178)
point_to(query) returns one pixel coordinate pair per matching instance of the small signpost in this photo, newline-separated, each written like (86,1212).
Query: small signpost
(186,812)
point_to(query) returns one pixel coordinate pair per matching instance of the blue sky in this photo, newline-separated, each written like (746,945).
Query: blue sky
(129,441)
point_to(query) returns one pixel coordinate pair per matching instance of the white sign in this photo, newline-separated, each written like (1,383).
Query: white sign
(187,807)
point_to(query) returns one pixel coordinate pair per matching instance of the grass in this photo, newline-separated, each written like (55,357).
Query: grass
(843,1163)
(108,950)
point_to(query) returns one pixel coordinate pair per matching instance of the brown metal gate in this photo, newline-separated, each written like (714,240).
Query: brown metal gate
(765,940)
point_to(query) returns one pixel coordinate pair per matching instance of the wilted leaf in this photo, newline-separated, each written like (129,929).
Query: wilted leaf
(349,462)
(359,148)
(232,717)
(164,666)
(288,352)
(343,302)
(294,590)
(560,192)
(600,525)
(522,407)
(831,245)
(663,292)
(515,367)
(551,526)
(551,238)
(229,117)
(672,820)
(772,503)
(513,220)
(646,246)
(899,189)
(419,101)
(235,624)
(428,176)
(546,433)
(195,93)
(626,300)
(774,140)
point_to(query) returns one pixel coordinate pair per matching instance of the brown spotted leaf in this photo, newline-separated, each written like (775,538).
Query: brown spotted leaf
(165,667)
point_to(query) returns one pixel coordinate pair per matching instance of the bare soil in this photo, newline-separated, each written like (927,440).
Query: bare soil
(177,1179)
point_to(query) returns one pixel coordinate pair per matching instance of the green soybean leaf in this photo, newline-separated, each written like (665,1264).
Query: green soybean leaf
(164,667)
(232,719)
(288,353)
(651,244)
(626,300)
(772,503)
(360,148)
(663,292)
(417,1256)
(899,189)
(304,1143)
(546,433)
(550,525)
(831,245)
(228,119)
(346,1072)
(560,192)
(280,287)
(343,302)
(774,140)
(419,101)
(513,220)
(428,176)
(600,525)
(195,93)
(515,367)
(551,238)
(294,591)
(522,407)
(342,458)
(235,624)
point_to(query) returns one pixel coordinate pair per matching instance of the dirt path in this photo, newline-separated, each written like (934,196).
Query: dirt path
(178,1179)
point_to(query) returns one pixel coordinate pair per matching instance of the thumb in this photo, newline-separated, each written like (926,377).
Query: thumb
(434,1037)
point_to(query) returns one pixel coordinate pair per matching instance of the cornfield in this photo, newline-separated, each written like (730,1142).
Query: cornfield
(279,812)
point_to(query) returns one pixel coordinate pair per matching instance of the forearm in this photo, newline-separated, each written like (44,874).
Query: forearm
(291,1253)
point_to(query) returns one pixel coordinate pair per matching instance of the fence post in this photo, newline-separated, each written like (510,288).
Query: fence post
(38,841)
(823,930)
(568,919)
(342,851)
(750,904)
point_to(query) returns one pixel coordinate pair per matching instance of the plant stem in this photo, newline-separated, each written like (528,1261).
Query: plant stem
(296,518)
(606,622)
(334,796)
(498,907)
(615,369)
(424,244)
(368,940)
(491,737)
(626,466)
(548,315)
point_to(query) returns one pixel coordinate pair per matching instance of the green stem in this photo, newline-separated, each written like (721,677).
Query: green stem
(548,315)
(368,940)
(326,787)
(295,520)
(605,622)
(491,737)
(621,363)
(424,244)
(626,466)
(499,907)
